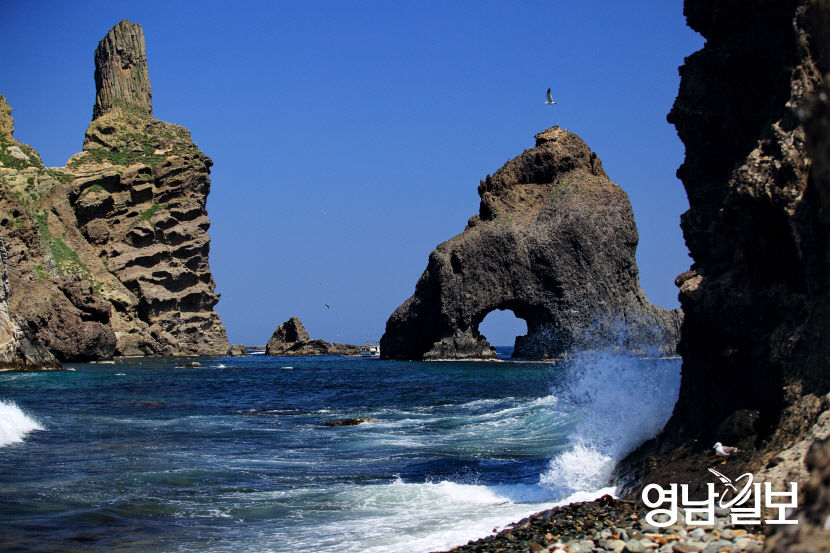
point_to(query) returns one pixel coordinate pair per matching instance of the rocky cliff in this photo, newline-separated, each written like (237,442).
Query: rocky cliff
(291,338)
(19,349)
(554,242)
(756,334)
(109,255)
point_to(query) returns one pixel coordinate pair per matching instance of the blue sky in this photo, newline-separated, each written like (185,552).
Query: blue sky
(349,137)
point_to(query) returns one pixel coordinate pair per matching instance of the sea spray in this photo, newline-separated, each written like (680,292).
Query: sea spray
(622,399)
(14,423)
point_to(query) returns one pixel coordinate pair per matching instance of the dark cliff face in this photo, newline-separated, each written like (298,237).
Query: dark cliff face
(755,338)
(109,255)
(554,242)
(755,300)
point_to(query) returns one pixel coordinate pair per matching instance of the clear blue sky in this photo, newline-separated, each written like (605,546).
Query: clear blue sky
(349,137)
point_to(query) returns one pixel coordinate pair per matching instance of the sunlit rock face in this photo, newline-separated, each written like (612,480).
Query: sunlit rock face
(109,254)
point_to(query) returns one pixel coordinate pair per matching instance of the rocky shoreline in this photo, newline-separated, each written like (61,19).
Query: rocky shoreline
(613,525)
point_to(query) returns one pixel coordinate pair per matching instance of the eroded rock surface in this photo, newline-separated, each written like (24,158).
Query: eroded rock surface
(109,255)
(757,297)
(554,242)
(752,111)
(122,76)
(238,350)
(291,338)
(19,349)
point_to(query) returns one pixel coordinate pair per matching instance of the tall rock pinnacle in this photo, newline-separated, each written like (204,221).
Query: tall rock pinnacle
(121,75)
(6,120)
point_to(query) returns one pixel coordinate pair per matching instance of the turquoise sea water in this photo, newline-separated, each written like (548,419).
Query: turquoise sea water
(235,456)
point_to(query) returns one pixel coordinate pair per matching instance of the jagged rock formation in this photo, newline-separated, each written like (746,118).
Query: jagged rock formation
(757,298)
(55,311)
(121,73)
(291,338)
(18,348)
(238,350)
(554,241)
(812,534)
(756,334)
(116,242)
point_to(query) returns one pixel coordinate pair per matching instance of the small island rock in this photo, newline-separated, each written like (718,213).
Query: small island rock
(291,338)
(238,350)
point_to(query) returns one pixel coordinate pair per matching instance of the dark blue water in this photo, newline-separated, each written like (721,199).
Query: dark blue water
(235,456)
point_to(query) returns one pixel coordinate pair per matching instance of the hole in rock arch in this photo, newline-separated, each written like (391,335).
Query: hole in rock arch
(501,326)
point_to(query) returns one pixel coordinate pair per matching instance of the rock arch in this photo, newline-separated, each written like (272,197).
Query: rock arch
(554,242)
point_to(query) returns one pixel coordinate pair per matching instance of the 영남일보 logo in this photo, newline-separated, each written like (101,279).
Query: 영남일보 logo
(744,505)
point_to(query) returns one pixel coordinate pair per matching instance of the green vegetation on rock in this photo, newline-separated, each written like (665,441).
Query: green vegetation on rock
(66,258)
(8,160)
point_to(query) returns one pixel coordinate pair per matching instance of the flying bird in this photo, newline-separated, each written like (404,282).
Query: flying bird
(327,306)
(724,450)
(549,101)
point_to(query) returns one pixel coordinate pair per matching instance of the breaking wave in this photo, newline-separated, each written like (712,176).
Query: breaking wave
(14,423)
(621,399)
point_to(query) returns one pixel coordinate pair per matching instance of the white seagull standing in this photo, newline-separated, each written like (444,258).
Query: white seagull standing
(724,450)
(549,101)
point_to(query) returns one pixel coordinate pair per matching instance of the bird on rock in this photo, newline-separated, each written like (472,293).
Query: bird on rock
(724,450)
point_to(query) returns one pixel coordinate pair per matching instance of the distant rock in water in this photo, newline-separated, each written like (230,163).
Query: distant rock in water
(554,242)
(238,350)
(351,422)
(289,332)
(291,338)
(109,255)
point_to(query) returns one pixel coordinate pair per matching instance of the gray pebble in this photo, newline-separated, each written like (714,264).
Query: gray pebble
(717,545)
(689,547)
(727,535)
(634,546)
(612,544)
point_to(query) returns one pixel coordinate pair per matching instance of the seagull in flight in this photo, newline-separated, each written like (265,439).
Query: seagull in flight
(724,450)
(550,100)
(327,306)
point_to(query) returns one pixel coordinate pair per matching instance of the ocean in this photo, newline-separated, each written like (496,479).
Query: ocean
(235,456)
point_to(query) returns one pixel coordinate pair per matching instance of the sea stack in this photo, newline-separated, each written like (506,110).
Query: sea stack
(554,242)
(141,187)
(109,255)
(291,338)
(122,77)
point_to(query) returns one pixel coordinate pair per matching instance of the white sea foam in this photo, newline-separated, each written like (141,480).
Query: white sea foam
(14,423)
(430,516)
(622,400)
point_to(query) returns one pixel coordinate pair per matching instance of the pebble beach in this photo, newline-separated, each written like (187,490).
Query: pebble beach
(618,526)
